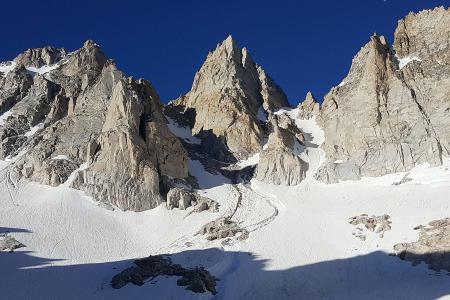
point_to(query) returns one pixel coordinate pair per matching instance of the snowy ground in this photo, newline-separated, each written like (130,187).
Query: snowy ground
(300,245)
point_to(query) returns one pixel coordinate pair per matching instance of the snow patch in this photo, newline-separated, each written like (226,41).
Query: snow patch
(5,116)
(184,133)
(341,84)
(74,174)
(42,70)
(6,67)
(34,129)
(251,161)
(402,62)
(338,161)
(61,157)
(204,178)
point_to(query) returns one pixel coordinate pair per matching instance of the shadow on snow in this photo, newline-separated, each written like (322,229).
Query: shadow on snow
(242,275)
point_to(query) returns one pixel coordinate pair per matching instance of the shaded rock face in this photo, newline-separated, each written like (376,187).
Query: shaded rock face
(280,162)
(228,94)
(109,127)
(431,248)
(393,109)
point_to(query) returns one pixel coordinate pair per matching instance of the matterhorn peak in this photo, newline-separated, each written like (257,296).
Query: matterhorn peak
(227,93)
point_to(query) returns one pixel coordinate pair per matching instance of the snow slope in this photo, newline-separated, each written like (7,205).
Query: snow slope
(300,245)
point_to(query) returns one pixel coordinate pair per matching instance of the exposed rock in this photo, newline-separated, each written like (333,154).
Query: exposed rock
(377,224)
(227,94)
(9,243)
(181,198)
(433,246)
(205,204)
(79,105)
(40,57)
(196,279)
(223,228)
(393,110)
(308,108)
(280,162)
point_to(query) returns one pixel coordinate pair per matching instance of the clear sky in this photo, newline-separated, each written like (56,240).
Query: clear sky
(303,45)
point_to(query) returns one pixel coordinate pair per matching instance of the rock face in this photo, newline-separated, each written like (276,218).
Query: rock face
(392,111)
(229,95)
(308,108)
(77,111)
(280,162)
(431,248)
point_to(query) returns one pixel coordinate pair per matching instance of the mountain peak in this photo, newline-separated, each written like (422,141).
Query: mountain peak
(90,44)
(309,107)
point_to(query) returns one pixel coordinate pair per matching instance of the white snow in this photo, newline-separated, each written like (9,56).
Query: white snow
(251,161)
(61,157)
(402,62)
(6,67)
(300,244)
(5,116)
(182,132)
(206,179)
(338,161)
(42,70)
(341,84)
(34,129)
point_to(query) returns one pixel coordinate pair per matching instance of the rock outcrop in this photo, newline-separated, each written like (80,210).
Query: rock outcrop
(280,161)
(76,111)
(308,108)
(432,247)
(223,228)
(392,111)
(197,280)
(181,198)
(9,243)
(377,224)
(229,95)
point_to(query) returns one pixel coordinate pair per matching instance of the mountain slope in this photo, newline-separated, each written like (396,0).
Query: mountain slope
(393,109)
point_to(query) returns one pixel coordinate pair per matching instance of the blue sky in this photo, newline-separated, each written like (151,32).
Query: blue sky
(303,45)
